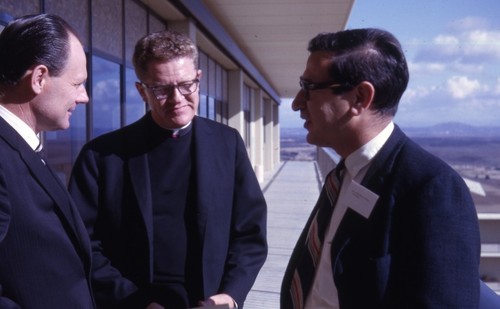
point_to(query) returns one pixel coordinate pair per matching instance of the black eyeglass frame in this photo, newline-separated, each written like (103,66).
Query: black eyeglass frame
(162,92)
(307,86)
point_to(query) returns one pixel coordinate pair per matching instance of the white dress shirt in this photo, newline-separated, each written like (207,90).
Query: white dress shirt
(22,128)
(323,294)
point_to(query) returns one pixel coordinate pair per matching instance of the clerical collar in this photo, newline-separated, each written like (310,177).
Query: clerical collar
(180,131)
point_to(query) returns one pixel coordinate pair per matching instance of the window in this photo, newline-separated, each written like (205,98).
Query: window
(213,90)
(247,99)
(134,106)
(4,20)
(63,146)
(105,96)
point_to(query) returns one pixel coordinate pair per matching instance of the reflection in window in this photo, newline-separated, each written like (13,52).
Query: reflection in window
(213,89)
(247,99)
(63,146)
(211,109)
(202,108)
(4,20)
(219,107)
(134,105)
(105,96)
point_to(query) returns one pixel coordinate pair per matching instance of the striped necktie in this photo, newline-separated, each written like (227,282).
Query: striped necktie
(304,273)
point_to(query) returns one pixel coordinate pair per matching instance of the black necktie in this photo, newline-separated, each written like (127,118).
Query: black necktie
(306,267)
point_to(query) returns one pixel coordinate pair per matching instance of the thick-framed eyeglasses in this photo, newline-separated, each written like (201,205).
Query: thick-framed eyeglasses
(307,86)
(162,92)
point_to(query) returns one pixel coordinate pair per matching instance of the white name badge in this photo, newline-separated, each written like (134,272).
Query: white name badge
(359,199)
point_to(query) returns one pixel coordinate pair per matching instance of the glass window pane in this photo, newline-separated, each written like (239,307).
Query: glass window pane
(134,106)
(203,106)
(211,108)
(213,86)
(224,86)
(224,99)
(210,74)
(218,82)
(203,65)
(218,111)
(105,95)
(63,146)
(247,98)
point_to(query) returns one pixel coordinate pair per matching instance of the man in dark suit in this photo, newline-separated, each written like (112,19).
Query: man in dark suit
(175,213)
(44,247)
(402,230)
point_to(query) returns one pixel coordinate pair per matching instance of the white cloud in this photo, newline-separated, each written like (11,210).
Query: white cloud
(426,67)
(447,40)
(466,68)
(468,23)
(472,47)
(417,94)
(109,88)
(461,87)
(459,98)
(482,43)
(496,89)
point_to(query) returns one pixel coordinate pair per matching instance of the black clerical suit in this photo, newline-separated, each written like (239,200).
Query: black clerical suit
(112,182)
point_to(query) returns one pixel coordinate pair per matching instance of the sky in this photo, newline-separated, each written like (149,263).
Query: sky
(453,53)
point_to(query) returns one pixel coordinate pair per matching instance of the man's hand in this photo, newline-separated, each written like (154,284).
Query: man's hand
(219,299)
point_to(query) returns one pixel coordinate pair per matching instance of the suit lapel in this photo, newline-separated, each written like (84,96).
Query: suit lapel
(52,185)
(138,169)
(204,167)
(141,184)
(382,164)
(375,180)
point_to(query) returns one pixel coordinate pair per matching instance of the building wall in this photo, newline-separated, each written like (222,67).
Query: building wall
(109,30)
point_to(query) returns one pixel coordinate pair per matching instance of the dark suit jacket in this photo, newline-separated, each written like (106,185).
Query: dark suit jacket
(111,184)
(419,248)
(44,247)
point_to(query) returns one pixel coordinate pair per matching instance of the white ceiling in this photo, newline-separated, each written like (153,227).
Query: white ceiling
(274,33)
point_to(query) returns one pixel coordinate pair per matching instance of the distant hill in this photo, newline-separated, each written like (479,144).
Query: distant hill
(447,129)
(452,129)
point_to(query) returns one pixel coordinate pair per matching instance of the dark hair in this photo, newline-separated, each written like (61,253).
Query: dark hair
(372,55)
(32,40)
(162,46)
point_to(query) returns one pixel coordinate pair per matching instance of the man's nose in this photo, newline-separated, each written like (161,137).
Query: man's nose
(174,95)
(300,100)
(83,97)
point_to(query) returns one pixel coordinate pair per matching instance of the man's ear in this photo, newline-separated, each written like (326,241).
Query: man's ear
(142,92)
(39,75)
(364,93)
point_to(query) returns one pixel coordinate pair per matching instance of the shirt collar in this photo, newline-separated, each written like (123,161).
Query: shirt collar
(363,155)
(181,131)
(21,127)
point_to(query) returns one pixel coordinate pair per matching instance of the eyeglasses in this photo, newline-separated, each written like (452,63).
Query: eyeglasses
(307,86)
(164,91)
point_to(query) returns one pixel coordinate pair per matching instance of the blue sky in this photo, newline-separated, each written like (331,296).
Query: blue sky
(453,53)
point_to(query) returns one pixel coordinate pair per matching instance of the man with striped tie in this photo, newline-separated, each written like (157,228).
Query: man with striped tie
(400,228)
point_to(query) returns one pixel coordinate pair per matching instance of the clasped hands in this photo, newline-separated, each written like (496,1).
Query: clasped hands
(218,299)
